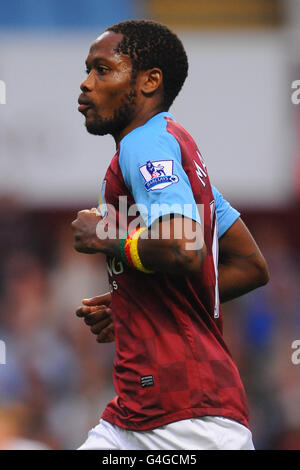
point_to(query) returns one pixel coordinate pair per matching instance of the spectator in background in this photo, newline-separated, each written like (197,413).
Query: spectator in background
(15,423)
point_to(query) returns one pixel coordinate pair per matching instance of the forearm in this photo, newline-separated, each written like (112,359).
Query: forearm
(235,281)
(174,243)
(242,266)
(170,256)
(161,255)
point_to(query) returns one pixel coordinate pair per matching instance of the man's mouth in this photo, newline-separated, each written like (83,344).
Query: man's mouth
(82,108)
(84,104)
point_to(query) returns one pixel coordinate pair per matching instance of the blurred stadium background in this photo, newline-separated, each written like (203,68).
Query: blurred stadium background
(244,56)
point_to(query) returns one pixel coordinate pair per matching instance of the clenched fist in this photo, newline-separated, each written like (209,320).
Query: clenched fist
(84,231)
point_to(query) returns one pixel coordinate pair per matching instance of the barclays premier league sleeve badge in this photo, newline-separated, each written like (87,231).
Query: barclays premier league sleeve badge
(158,175)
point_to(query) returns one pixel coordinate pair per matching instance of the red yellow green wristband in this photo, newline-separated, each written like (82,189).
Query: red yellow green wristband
(122,248)
(127,249)
(134,254)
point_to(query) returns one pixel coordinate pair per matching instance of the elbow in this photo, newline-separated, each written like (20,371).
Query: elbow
(265,276)
(262,272)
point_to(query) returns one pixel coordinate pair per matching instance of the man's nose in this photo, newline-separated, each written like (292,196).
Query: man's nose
(87,84)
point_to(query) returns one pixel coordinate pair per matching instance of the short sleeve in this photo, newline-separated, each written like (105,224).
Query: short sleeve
(226,214)
(151,166)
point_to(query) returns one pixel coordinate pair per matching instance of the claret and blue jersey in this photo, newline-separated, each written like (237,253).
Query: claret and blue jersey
(171,360)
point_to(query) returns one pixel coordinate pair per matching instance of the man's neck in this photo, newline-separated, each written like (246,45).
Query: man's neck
(139,120)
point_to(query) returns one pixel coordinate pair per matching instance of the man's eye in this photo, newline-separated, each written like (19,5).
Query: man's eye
(101,70)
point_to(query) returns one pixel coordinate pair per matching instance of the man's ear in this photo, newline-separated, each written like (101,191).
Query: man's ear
(151,81)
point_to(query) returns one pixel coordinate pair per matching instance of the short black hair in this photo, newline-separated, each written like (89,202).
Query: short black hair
(151,44)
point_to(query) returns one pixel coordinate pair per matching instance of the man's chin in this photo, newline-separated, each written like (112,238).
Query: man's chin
(96,129)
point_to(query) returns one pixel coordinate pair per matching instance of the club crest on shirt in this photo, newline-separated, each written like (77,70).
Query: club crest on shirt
(102,203)
(158,174)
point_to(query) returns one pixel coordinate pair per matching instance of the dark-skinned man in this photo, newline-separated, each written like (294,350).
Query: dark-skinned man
(176,382)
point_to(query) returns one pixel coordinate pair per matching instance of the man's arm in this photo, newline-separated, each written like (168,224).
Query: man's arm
(174,244)
(241,267)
